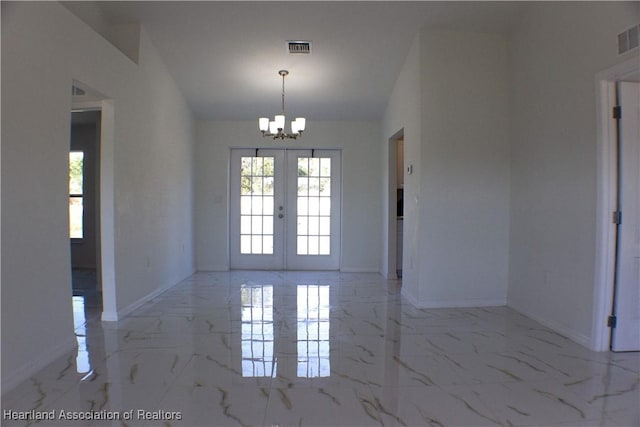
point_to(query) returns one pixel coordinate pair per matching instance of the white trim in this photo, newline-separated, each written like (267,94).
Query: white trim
(136,305)
(390,276)
(603,287)
(39,361)
(389,266)
(569,333)
(109,316)
(107,215)
(410,298)
(78,107)
(215,268)
(360,270)
(120,314)
(464,303)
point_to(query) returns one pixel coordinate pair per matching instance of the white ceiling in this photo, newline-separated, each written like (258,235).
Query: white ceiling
(225,56)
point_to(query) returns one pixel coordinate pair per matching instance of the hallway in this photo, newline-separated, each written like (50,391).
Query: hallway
(327,349)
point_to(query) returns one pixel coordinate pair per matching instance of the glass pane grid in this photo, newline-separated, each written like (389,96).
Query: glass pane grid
(256,205)
(314,206)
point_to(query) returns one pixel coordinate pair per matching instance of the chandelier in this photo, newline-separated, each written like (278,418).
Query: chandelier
(275,128)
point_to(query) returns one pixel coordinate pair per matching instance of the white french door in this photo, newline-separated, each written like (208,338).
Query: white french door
(285,209)
(257,198)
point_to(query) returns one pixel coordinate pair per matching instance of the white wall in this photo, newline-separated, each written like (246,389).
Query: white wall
(403,113)
(464,173)
(451,98)
(361,181)
(45,47)
(154,183)
(554,57)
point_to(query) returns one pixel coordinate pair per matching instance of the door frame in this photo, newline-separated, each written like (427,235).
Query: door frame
(625,335)
(391,266)
(605,83)
(106,214)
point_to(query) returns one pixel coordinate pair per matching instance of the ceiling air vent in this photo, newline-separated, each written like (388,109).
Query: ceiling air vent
(299,47)
(628,39)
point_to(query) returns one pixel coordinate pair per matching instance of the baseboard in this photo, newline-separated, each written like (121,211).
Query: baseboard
(212,268)
(412,300)
(114,317)
(109,316)
(574,336)
(359,270)
(383,272)
(465,303)
(41,360)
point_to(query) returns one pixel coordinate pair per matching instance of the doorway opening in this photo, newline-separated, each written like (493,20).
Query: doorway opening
(399,203)
(396,210)
(615,298)
(84,213)
(91,205)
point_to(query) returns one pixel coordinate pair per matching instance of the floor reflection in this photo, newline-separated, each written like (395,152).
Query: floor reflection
(258,338)
(83,363)
(87,307)
(210,347)
(257,331)
(313,331)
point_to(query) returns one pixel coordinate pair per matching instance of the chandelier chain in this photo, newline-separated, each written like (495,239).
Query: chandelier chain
(283,76)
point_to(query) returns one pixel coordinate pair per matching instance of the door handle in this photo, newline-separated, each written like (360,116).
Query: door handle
(280,215)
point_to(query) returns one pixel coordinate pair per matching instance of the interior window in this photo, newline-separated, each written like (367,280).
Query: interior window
(76,194)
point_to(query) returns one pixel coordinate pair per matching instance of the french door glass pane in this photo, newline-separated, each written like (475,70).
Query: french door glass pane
(325,245)
(256,205)
(314,206)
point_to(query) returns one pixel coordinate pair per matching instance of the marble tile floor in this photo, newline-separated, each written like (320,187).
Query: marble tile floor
(322,349)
